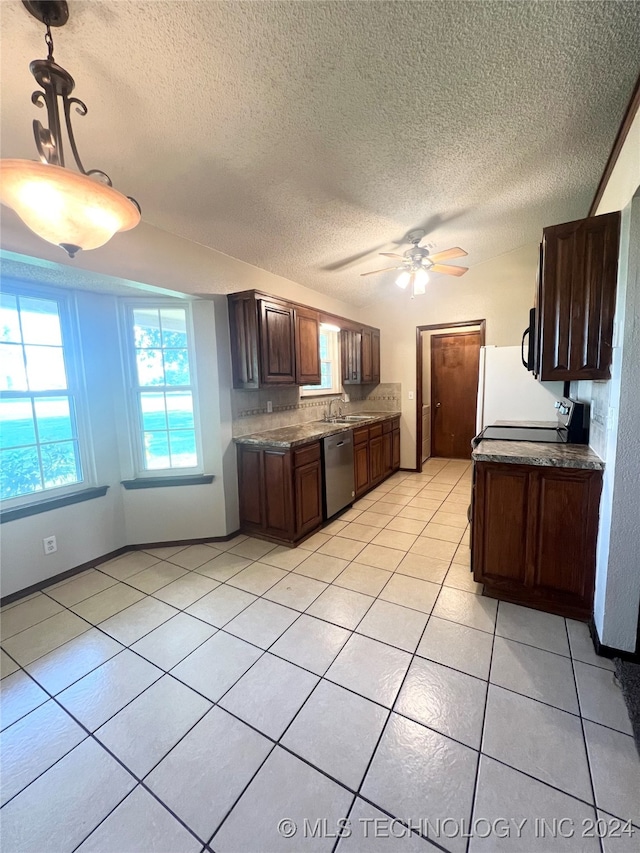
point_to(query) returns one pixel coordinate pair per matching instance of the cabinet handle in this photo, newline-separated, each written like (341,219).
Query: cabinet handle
(524,335)
(438,405)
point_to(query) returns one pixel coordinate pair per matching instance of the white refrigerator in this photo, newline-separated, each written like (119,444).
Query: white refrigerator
(508,392)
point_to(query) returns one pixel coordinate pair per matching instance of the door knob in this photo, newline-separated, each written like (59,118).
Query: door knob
(438,405)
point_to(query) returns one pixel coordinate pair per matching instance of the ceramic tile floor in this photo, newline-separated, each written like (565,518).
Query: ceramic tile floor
(190,699)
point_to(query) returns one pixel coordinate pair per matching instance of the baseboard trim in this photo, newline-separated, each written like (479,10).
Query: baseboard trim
(90,564)
(609,651)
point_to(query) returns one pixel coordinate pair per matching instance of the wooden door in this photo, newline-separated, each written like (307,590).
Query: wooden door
(278,512)
(455,361)
(251,486)
(243,328)
(308,370)
(376,459)
(367,365)
(576,298)
(277,343)
(351,356)
(307,485)
(375,356)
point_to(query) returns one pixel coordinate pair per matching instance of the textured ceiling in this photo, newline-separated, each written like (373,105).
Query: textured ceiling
(295,135)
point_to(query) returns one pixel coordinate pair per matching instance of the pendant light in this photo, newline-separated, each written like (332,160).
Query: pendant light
(73,210)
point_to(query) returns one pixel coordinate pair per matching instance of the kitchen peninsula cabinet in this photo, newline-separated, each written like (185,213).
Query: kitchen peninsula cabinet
(576,299)
(280,490)
(534,530)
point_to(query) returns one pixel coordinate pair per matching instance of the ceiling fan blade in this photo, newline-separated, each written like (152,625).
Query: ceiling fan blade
(448,254)
(448,269)
(373,272)
(392,255)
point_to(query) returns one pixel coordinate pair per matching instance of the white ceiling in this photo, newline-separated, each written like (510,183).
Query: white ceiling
(296,135)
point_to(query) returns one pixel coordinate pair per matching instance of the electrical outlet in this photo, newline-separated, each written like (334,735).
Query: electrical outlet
(50,545)
(269,407)
(411,395)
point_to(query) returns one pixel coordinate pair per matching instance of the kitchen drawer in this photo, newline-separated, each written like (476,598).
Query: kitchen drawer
(305,455)
(361,435)
(375,431)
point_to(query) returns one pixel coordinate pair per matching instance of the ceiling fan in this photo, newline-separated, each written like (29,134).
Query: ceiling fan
(416,264)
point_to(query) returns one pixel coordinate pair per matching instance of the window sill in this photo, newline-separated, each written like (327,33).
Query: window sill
(51,503)
(161,482)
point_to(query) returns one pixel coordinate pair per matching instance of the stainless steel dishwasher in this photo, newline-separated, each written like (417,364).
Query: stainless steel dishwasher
(339,488)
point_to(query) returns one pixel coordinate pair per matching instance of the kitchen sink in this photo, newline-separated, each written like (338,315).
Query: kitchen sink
(346,419)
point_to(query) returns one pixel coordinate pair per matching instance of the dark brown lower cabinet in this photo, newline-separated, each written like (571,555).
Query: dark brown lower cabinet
(280,490)
(376,454)
(362,481)
(377,465)
(534,532)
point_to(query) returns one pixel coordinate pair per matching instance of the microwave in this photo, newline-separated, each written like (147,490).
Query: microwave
(530,343)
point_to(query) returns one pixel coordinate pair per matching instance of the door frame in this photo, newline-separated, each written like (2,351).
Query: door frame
(482,324)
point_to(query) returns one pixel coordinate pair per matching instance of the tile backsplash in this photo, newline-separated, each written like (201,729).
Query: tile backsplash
(249,408)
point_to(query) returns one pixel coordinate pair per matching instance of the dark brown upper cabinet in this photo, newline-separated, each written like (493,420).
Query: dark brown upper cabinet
(576,298)
(277,343)
(360,353)
(245,346)
(308,370)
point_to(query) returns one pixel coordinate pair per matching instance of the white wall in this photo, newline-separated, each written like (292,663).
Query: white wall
(500,291)
(122,517)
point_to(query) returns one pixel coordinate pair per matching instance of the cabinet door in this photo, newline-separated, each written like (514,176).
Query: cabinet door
(251,486)
(243,328)
(376,459)
(351,356)
(277,343)
(308,370)
(307,483)
(387,453)
(395,449)
(502,513)
(576,298)
(361,468)
(565,548)
(367,364)
(375,356)
(278,503)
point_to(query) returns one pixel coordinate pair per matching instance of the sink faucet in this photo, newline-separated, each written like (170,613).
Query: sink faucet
(331,402)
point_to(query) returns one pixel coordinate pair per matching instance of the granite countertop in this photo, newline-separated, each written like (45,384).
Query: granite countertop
(538,453)
(292,436)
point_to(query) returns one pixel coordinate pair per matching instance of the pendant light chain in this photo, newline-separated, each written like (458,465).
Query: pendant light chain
(48,40)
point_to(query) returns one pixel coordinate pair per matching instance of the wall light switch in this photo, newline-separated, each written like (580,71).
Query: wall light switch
(269,406)
(411,395)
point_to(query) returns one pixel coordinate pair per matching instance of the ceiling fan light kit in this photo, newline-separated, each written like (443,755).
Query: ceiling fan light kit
(416,264)
(73,210)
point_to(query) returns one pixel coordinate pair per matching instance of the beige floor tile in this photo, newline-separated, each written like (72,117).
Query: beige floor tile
(393,624)
(221,606)
(337,546)
(424,568)
(475,611)
(128,564)
(19,695)
(444,532)
(227,544)
(342,607)
(223,567)
(351,514)
(406,525)
(374,519)
(322,567)
(416,513)
(7,666)
(262,622)
(284,558)
(382,508)
(402,489)
(73,660)
(133,623)
(359,532)
(457,646)
(154,578)
(217,664)
(398,500)
(80,587)
(437,548)
(460,577)
(166,551)
(107,603)
(425,503)
(186,590)
(380,557)
(253,549)
(257,578)
(28,613)
(296,591)
(365,503)
(311,643)
(334,526)
(451,519)
(462,555)
(34,642)
(21,600)
(411,592)
(395,539)
(362,578)
(314,542)
(193,557)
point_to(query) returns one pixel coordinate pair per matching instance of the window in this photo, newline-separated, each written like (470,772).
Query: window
(329,365)
(163,388)
(39,447)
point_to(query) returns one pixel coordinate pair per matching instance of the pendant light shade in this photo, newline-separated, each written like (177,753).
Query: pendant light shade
(65,208)
(74,210)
